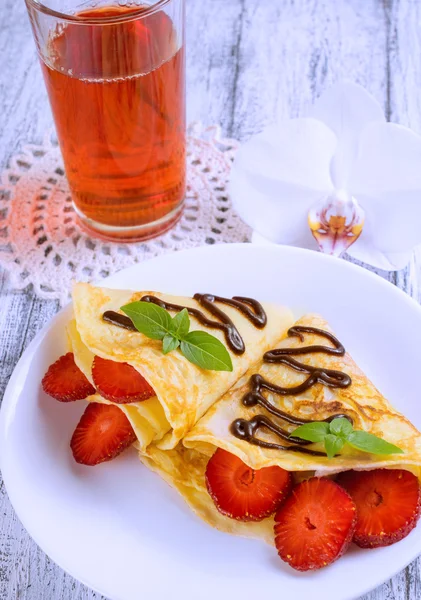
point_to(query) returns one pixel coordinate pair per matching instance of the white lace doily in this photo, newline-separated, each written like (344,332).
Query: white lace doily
(40,240)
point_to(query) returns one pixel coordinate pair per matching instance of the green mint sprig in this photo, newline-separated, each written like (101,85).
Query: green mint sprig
(199,347)
(339,432)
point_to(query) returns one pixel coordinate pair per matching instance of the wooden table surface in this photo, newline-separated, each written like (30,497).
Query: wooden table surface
(248,61)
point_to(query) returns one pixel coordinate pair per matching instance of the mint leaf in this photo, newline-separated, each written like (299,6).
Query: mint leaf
(341,427)
(169,343)
(206,351)
(199,347)
(181,324)
(149,318)
(312,432)
(333,445)
(367,442)
(339,432)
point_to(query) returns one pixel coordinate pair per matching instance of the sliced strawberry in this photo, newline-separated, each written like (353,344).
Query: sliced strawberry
(243,493)
(103,433)
(315,524)
(120,382)
(388,504)
(65,382)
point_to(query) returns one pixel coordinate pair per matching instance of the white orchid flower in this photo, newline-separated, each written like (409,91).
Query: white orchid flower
(342,179)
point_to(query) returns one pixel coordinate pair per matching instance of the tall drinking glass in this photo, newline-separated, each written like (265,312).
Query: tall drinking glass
(115,75)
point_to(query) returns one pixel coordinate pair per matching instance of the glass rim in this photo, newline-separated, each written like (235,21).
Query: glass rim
(141,12)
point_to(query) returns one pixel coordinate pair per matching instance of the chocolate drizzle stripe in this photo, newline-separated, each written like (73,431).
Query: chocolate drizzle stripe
(250,308)
(116,318)
(246,430)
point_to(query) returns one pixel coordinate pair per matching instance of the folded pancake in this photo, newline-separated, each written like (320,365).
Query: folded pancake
(359,400)
(312,384)
(184,392)
(184,469)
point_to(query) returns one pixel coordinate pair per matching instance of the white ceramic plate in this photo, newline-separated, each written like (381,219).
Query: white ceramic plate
(121,530)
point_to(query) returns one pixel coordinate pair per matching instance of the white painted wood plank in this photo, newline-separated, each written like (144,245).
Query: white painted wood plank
(289,52)
(404,82)
(24,111)
(212,42)
(404,62)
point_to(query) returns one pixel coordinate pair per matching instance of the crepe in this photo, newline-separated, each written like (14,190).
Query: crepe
(185,466)
(184,392)
(184,470)
(368,408)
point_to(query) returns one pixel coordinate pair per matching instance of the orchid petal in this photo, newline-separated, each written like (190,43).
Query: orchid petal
(279,174)
(386,181)
(347,109)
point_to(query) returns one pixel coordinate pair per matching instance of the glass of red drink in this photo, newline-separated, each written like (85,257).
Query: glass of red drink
(115,75)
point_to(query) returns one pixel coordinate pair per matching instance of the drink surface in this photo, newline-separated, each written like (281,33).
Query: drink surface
(118,98)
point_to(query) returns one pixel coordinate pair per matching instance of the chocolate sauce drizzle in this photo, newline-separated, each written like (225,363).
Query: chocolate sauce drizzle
(247,430)
(250,308)
(116,318)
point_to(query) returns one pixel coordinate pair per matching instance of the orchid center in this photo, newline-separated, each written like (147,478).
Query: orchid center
(336,222)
